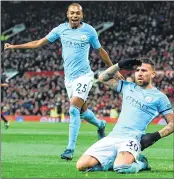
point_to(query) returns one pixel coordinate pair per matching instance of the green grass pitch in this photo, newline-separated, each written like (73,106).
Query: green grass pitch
(32,150)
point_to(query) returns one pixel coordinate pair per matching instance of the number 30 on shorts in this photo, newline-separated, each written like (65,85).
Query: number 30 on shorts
(132,145)
(81,88)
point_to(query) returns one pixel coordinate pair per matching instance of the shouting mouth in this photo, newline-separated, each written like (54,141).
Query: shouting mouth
(75,21)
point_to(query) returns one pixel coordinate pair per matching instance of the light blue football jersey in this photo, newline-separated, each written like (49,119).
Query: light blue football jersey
(75,47)
(139,107)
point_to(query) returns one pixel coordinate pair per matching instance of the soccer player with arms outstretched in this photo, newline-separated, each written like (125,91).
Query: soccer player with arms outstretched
(76,38)
(142,102)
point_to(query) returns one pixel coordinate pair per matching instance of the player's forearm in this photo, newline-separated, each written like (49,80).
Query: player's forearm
(109,73)
(105,57)
(4,85)
(112,83)
(33,44)
(169,128)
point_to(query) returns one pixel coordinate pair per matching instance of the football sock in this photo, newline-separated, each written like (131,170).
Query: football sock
(89,116)
(74,126)
(130,168)
(95,168)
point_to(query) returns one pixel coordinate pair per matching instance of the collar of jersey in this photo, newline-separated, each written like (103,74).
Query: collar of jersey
(77,28)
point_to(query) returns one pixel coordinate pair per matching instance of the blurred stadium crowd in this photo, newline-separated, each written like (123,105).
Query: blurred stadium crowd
(140,29)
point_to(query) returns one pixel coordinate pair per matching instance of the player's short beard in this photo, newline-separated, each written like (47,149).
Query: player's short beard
(144,84)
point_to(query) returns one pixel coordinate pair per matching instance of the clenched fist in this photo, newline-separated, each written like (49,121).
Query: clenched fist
(129,64)
(7,46)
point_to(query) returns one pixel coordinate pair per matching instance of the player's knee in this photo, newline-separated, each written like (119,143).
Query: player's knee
(124,153)
(124,163)
(85,162)
(81,164)
(123,158)
(74,111)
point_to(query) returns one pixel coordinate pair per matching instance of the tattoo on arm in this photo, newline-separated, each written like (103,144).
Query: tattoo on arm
(112,83)
(109,73)
(169,128)
(107,76)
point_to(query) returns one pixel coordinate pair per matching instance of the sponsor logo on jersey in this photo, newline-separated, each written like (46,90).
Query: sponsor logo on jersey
(148,99)
(76,45)
(83,37)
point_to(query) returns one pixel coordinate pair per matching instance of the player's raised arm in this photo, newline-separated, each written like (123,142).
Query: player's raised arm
(32,44)
(108,77)
(106,59)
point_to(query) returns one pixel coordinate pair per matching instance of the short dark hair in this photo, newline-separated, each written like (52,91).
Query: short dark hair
(148,61)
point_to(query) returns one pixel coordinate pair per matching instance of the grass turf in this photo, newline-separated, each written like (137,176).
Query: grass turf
(32,150)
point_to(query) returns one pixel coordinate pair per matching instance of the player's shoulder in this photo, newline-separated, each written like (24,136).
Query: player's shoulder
(157,91)
(62,26)
(161,94)
(88,27)
(125,86)
(128,83)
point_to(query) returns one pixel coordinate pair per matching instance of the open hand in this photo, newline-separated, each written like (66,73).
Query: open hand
(7,46)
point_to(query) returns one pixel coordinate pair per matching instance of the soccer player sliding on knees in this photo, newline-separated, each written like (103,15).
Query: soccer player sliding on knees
(120,151)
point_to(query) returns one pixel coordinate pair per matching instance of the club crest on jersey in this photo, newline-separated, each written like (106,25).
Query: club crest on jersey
(83,37)
(148,99)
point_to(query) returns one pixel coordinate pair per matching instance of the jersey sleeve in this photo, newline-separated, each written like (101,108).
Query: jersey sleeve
(94,41)
(54,34)
(164,106)
(122,86)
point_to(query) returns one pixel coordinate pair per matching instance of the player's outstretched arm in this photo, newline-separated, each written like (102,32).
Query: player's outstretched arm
(4,85)
(150,138)
(32,44)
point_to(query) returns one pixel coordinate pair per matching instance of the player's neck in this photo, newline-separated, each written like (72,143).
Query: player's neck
(149,86)
(79,26)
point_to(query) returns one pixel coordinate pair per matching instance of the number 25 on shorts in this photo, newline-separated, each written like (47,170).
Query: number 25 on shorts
(81,88)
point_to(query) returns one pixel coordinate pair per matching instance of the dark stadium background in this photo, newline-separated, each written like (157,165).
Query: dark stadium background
(140,29)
